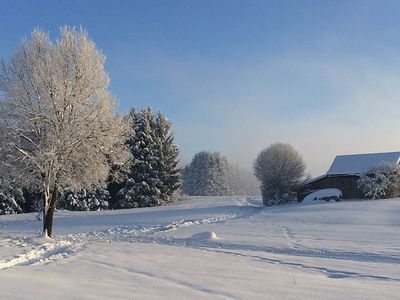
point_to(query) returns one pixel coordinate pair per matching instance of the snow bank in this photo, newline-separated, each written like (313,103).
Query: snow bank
(207,235)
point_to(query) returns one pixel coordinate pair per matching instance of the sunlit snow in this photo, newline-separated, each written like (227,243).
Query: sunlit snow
(207,248)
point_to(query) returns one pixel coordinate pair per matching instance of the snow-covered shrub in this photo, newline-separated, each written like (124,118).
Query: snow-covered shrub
(83,200)
(279,168)
(380,182)
(11,200)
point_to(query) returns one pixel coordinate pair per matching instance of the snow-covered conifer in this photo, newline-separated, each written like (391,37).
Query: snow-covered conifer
(206,175)
(96,198)
(187,180)
(167,164)
(11,200)
(154,175)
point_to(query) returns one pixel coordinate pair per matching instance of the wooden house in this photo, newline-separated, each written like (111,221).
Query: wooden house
(345,171)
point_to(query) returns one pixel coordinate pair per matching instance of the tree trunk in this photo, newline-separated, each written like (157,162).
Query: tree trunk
(44,210)
(49,212)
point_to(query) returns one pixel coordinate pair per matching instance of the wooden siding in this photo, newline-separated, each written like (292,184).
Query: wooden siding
(346,183)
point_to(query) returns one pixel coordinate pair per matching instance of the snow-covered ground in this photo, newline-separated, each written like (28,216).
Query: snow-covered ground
(207,248)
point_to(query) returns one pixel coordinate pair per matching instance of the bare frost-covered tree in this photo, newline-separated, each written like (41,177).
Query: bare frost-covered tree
(59,117)
(279,168)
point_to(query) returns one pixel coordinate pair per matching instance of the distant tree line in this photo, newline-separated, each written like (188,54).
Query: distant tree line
(210,174)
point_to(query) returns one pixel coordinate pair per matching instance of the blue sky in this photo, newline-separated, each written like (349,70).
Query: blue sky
(236,76)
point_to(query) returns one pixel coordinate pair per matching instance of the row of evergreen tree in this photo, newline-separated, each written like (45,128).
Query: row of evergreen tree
(154,178)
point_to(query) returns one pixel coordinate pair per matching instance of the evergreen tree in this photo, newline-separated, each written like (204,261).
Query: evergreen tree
(206,175)
(187,180)
(167,152)
(154,176)
(11,200)
(84,200)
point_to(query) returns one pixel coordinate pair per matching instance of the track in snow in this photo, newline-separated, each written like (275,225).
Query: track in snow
(41,254)
(249,251)
(64,246)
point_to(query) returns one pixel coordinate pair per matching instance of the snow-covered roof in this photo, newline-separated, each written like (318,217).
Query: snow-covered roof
(361,163)
(310,180)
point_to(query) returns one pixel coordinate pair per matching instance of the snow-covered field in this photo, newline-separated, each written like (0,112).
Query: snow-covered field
(207,248)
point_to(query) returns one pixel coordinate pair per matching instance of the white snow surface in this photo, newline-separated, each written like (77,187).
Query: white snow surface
(361,163)
(207,248)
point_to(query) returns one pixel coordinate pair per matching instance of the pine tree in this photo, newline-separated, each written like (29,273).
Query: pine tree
(11,200)
(95,198)
(206,175)
(167,152)
(154,176)
(221,180)
(187,180)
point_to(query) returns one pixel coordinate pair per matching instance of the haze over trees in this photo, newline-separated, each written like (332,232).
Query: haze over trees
(210,174)
(59,116)
(206,175)
(154,176)
(279,168)
(242,182)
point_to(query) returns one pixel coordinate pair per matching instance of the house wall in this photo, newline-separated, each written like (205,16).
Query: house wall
(346,183)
